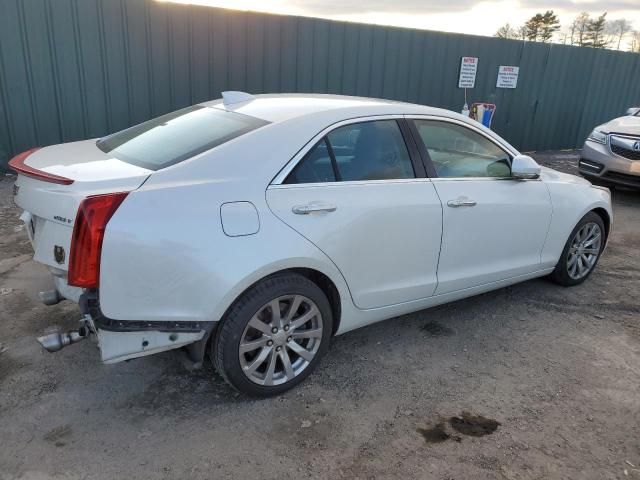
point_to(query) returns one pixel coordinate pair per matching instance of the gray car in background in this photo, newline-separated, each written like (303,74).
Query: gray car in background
(611,153)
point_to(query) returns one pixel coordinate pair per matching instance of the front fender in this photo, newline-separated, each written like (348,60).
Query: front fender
(570,202)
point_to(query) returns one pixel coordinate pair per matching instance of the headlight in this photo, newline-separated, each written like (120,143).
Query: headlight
(598,136)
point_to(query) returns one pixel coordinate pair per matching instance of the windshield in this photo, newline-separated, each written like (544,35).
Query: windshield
(176,136)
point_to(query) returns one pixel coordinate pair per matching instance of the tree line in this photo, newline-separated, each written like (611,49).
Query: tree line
(584,31)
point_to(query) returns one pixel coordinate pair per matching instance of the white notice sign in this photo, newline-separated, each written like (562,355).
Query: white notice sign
(507,76)
(468,69)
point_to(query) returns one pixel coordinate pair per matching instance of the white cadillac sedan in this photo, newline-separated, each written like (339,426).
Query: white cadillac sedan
(255,228)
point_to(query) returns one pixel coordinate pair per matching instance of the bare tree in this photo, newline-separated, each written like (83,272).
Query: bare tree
(507,31)
(564,37)
(579,29)
(634,44)
(617,29)
(522,32)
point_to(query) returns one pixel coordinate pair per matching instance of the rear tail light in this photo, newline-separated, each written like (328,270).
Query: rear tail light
(17,164)
(88,232)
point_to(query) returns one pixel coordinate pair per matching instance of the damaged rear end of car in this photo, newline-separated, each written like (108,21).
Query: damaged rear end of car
(72,195)
(68,194)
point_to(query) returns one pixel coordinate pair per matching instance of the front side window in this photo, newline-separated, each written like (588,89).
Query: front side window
(372,150)
(177,136)
(457,151)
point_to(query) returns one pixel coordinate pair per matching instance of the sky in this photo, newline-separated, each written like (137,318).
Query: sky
(461,16)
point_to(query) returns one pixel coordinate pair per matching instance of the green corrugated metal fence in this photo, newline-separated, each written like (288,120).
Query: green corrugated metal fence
(76,69)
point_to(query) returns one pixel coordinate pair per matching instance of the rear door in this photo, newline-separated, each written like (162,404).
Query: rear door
(494,226)
(360,195)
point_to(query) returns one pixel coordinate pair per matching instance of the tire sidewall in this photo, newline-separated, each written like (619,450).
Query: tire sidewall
(226,344)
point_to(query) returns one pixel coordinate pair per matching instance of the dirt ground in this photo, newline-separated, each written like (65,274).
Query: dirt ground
(533,381)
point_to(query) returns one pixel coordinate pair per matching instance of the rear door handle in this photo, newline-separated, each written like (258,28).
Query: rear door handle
(461,202)
(313,207)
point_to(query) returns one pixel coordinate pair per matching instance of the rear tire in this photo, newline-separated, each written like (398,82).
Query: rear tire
(581,252)
(273,336)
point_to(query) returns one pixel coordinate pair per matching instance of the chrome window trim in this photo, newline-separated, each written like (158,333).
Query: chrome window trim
(477,179)
(349,183)
(500,144)
(291,164)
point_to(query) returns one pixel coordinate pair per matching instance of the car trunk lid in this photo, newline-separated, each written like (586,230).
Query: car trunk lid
(52,181)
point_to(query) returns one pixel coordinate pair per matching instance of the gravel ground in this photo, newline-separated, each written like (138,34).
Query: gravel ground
(530,381)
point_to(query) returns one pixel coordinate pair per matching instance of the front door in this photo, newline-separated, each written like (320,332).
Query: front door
(494,227)
(355,195)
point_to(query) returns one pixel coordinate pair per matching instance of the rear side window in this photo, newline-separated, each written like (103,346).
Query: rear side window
(373,150)
(315,167)
(177,136)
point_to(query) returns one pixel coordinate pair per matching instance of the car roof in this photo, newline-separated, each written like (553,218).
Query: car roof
(295,120)
(286,106)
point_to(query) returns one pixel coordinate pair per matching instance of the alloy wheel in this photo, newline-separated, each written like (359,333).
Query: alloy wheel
(280,340)
(584,250)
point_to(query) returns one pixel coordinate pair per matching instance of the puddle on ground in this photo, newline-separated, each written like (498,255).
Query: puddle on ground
(58,436)
(436,434)
(473,425)
(466,424)
(436,329)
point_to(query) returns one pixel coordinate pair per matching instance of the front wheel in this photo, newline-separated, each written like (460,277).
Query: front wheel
(581,252)
(273,336)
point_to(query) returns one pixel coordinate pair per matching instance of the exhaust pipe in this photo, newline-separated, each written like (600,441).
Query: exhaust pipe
(50,297)
(57,341)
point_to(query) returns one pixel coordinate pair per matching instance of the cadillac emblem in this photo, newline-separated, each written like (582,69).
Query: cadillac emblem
(58,254)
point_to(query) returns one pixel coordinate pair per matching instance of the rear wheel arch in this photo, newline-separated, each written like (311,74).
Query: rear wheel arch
(323,281)
(328,287)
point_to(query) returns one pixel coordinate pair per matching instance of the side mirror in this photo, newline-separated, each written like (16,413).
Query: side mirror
(633,111)
(525,167)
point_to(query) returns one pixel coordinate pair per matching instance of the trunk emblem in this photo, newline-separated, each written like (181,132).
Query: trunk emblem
(58,254)
(636,146)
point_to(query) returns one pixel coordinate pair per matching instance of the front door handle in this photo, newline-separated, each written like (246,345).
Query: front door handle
(313,207)
(461,202)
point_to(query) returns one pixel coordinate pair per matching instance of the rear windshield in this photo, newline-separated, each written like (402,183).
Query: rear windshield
(176,136)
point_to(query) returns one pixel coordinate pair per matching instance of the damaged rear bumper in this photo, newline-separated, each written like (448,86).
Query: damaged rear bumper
(120,340)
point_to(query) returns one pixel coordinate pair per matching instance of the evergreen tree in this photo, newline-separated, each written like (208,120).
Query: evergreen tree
(549,25)
(532,27)
(542,26)
(595,34)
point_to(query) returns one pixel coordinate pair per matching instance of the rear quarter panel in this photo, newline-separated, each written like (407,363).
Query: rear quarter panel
(166,257)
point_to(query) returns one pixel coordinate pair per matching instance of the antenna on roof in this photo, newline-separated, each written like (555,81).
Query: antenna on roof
(236,97)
